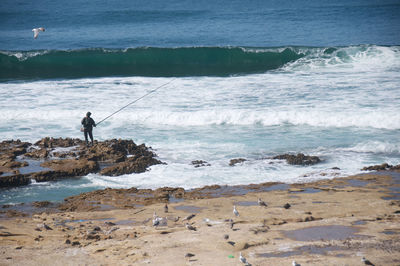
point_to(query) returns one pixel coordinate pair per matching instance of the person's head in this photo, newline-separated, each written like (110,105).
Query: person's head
(88,114)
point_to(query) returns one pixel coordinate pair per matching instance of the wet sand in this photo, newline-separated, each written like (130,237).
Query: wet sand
(329,222)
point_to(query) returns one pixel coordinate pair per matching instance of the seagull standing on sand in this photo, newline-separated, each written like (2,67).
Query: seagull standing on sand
(295,263)
(366,262)
(156,219)
(262,203)
(36,32)
(235,212)
(190,227)
(243,260)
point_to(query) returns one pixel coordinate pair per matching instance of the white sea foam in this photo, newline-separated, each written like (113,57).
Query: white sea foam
(266,117)
(24,55)
(348,59)
(379,147)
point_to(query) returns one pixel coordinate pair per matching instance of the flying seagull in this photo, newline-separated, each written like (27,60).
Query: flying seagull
(36,31)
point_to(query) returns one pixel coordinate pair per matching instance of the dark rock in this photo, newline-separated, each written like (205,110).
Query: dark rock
(76,243)
(92,237)
(13,147)
(233,162)
(38,154)
(48,142)
(9,150)
(121,156)
(41,204)
(14,180)
(13,164)
(136,164)
(309,219)
(299,159)
(67,241)
(286,206)
(380,167)
(199,163)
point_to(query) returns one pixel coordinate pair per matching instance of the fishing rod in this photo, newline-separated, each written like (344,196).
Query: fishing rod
(141,97)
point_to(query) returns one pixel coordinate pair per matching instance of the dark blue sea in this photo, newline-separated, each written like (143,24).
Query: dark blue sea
(78,24)
(246,79)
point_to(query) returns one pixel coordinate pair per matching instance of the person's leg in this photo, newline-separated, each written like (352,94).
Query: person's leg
(85,132)
(91,136)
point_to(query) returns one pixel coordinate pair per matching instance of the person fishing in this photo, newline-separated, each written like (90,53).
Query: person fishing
(88,124)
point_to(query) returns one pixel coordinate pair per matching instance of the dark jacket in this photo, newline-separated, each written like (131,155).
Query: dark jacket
(88,123)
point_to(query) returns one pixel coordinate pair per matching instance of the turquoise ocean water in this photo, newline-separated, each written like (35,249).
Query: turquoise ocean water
(248,79)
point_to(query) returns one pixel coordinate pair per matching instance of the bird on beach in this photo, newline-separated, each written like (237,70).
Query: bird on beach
(295,263)
(262,203)
(367,262)
(187,218)
(243,260)
(156,219)
(190,227)
(44,226)
(235,212)
(189,255)
(36,31)
(166,208)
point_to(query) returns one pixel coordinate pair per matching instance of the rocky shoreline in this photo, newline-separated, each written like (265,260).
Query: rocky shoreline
(327,222)
(56,158)
(51,159)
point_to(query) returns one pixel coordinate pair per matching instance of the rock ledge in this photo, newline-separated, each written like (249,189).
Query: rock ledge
(65,158)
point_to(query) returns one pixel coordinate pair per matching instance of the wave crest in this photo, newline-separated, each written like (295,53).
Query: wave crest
(144,61)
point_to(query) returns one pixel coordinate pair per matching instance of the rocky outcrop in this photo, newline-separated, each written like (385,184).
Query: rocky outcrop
(119,198)
(9,150)
(299,159)
(136,164)
(200,163)
(65,158)
(233,162)
(14,180)
(65,168)
(381,167)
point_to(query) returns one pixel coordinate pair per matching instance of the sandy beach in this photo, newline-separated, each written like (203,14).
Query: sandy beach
(329,222)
